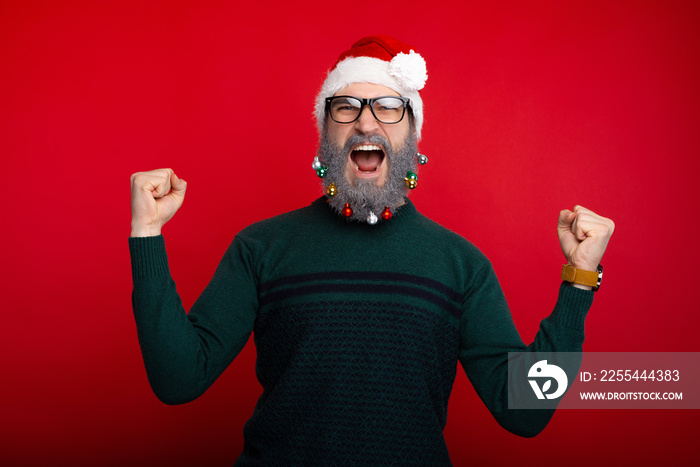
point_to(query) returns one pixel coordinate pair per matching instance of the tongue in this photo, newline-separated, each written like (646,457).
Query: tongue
(367,161)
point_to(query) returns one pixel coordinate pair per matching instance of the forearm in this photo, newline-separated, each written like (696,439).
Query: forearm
(488,334)
(169,344)
(563,329)
(562,332)
(183,354)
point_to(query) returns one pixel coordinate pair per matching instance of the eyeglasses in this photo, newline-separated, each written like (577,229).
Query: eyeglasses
(386,109)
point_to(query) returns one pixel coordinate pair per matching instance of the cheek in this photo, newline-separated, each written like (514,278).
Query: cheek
(336,134)
(398,135)
(349,171)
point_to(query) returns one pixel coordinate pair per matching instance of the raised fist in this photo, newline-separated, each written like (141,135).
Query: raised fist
(156,196)
(583,236)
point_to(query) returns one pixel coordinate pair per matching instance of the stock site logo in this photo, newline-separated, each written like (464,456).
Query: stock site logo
(543,372)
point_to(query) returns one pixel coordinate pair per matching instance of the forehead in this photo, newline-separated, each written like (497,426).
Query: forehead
(366,90)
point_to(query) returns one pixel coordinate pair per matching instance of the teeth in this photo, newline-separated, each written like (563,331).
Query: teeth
(368,147)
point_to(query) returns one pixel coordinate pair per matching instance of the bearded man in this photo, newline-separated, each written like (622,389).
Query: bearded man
(357,349)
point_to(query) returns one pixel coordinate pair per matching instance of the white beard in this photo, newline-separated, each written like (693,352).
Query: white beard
(364,196)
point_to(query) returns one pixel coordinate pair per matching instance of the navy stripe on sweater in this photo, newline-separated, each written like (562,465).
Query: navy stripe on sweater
(270,295)
(363,276)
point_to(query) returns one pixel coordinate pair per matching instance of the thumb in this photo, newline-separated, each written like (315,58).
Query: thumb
(178,186)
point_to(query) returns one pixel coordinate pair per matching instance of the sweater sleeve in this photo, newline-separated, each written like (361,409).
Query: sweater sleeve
(487,334)
(183,352)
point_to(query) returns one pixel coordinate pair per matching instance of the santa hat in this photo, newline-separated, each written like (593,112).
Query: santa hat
(379,60)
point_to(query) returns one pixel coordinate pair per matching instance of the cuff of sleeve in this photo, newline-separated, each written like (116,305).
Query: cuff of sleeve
(148,257)
(572,306)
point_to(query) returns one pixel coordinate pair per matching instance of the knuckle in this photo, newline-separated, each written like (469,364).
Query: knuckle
(138,178)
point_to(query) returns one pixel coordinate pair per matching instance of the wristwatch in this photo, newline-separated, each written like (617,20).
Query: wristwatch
(580,276)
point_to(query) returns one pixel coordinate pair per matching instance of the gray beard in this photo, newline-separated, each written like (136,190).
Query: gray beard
(364,196)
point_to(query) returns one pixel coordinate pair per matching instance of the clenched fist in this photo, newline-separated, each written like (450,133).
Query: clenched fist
(583,236)
(155,198)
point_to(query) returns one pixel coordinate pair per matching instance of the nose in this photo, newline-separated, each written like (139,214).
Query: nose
(366,123)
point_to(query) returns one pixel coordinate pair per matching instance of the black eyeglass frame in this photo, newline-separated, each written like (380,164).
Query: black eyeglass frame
(368,102)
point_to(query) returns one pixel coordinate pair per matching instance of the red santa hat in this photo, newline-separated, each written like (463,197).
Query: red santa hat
(379,60)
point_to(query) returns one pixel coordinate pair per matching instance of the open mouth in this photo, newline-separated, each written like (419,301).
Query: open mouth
(367,158)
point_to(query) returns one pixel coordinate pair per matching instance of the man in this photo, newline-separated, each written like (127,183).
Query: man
(361,306)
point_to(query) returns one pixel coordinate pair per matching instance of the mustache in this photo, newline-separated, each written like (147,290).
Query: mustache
(373,139)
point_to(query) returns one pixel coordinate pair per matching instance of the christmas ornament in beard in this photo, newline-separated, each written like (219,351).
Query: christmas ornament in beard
(363,195)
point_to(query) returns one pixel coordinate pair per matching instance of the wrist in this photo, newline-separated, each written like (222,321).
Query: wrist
(145,230)
(582,278)
(583,266)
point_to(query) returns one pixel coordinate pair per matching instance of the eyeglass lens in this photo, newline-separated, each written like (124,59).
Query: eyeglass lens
(386,109)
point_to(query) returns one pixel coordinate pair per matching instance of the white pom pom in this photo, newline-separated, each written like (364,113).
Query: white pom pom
(409,70)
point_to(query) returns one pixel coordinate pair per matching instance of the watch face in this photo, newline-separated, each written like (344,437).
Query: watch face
(600,277)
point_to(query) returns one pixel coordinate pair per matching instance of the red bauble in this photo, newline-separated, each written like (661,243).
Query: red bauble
(386,213)
(347,211)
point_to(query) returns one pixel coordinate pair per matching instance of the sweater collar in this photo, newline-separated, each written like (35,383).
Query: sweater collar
(406,211)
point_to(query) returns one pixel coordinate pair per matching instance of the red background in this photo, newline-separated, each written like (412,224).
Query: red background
(529,109)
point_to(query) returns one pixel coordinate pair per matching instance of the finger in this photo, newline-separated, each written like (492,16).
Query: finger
(158,182)
(580,209)
(594,226)
(606,225)
(577,228)
(585,223)
(566,217)
(158,187)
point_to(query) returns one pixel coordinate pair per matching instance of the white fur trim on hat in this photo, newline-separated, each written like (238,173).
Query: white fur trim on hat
(409,70)
(402,76)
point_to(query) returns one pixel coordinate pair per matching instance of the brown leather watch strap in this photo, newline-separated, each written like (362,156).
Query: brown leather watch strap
(580,276)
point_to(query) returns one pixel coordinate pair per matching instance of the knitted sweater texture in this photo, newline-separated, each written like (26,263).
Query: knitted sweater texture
(358,329)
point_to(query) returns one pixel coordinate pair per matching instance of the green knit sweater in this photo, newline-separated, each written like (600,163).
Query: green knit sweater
(358,331)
